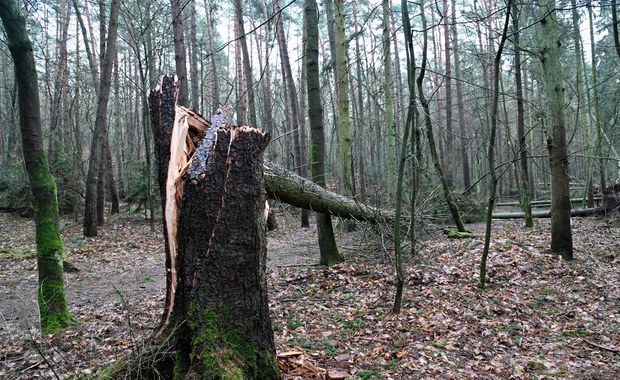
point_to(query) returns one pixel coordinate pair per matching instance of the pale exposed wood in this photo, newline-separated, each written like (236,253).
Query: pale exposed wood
(186,124)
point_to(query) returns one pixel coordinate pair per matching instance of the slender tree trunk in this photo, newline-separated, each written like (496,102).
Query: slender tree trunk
(491,150)
(344,121)
(267,91)
(53,311)
(361,112)
(582,109)
(463,130)
(614,26)
(180,58)
(526,205)
(193,59)
(101,182)
(56,131)
(389,101)
(327,243)
(90,212)
(561,234)
(597,109)
(448,87)
(215,95)
(247,66)
(295,114)
(452,206)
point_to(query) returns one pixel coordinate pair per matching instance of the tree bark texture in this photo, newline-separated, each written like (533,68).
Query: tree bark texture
(101,120)
(51,292)
(221,309)
(162,102)
(216,307)
(180,57)
(327,243)
(561,234)
(285,186)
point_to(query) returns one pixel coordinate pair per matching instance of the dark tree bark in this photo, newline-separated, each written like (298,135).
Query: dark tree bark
(296,125)
(220,317)
(247,67)
(180,58)
(327,243)
(463,129)
(101,120)
(162,119)
(51,293)
(561,234)
(221,313)
(526,205)
(614,26)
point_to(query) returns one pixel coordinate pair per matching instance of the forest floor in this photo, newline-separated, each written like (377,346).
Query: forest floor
(538,318)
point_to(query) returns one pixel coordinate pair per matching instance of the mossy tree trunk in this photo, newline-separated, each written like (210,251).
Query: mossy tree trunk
(561,234)
(51,293)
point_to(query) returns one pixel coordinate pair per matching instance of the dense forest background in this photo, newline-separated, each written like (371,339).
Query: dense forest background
(256,65)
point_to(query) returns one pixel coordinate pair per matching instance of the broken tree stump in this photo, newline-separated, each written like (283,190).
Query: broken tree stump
(216,306)
(221,310)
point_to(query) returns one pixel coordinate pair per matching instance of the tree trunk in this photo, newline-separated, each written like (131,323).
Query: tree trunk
(193,59)
(561,234)
(285,186)
(327,243)
(295,114)
(491,154)
(452,206)
(526,205)
(582,120)
(344,121)
(53,311)
(101,119)
(56,131)
(219,312)
(463,129)
(597,109)
(247,66)
(448,87)
(389,101)
(614,26)
(215,97)
(180,58)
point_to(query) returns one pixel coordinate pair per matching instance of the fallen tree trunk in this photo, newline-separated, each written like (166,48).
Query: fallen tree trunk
(542,203)
(610,204)
(544,214)
(286,186)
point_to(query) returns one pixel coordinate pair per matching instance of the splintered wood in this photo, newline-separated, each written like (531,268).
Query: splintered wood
(188,127)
